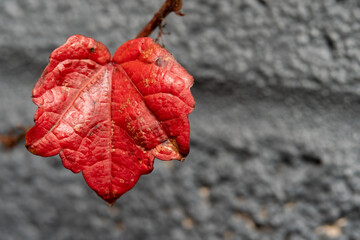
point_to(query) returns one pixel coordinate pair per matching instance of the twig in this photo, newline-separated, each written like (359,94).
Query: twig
(13,137)
(168,7)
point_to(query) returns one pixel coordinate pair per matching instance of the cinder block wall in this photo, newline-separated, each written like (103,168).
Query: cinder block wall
(275,134)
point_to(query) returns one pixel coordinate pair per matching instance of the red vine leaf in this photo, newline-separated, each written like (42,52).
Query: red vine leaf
(108,117)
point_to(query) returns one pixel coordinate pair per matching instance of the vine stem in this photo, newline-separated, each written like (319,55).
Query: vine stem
(158,18)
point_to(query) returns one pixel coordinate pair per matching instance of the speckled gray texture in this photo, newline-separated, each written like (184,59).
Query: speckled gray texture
(275,134)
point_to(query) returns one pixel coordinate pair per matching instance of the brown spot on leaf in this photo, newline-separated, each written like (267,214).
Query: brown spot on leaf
(160,62)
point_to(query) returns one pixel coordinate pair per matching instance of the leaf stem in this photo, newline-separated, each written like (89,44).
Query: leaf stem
(158,18)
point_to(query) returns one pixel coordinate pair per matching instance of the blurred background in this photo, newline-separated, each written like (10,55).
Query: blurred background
(275,133)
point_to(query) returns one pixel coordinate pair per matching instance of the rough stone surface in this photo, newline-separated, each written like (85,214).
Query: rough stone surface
(275,136)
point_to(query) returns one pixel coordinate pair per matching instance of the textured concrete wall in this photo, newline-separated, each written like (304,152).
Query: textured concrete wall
(275,135)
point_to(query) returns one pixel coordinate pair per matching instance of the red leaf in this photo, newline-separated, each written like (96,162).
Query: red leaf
(108,117)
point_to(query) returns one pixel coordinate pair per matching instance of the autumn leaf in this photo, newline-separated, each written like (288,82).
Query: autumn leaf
(110,117)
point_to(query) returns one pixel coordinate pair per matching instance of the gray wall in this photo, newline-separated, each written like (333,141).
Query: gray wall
(275,134)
